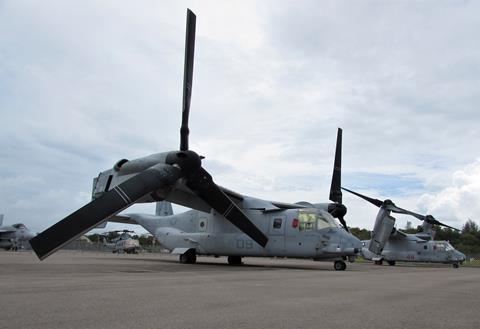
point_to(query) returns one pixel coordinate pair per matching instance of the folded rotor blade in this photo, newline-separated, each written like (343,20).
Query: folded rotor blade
(376,202)
(335,188)
(187,78)
(110,203)
(203,185)
(431,220)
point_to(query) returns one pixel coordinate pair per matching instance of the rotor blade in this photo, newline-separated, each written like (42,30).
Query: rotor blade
(187,78)
(376,202)
(203,185)
(344,223)
(335,188)
(110,203)
(431,220)
(399,210)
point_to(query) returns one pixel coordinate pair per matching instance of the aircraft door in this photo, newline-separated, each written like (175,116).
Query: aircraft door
(276,232)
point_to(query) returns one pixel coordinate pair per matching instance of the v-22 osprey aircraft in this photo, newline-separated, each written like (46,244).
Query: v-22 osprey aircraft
(392,245)
(225,222)
(124,243)
(13,237)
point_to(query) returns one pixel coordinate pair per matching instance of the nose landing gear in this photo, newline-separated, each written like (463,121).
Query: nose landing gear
(339,265)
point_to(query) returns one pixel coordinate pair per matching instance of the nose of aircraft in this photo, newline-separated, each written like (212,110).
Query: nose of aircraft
(30,235)
(356,243)
(350,241)
(459,256)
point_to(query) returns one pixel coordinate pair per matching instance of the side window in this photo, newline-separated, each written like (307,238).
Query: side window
(277,223)
(425,247)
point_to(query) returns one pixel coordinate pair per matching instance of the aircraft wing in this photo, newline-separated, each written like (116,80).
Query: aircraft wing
(6,230)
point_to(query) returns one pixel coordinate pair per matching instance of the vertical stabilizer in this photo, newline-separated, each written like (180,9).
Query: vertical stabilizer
(163,208)
(1,219)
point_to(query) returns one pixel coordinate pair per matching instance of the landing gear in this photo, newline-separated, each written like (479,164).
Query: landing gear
(190,257)
(234,260)
(391,262)
(455,265)
(339,265)
(379,262)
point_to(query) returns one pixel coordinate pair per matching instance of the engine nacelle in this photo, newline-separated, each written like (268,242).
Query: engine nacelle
(381,232)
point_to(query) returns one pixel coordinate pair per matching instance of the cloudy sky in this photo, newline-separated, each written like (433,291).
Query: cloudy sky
(86,83)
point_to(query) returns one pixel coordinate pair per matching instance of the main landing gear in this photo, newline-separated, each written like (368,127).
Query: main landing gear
(190,257)
(455,265)
(339,265)
(234,260)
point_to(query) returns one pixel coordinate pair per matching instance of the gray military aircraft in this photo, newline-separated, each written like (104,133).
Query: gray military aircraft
(390,244)
(12,237)
(233,224)
(124,243)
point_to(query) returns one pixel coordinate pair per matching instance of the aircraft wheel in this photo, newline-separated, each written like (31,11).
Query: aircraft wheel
(379,262)
(234,260)
(189,257)
(391,262)
(339,265)
(455,265)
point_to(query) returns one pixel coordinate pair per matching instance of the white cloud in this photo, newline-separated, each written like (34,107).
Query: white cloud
(458,202)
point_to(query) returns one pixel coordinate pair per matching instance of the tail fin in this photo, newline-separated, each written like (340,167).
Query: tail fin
(163,208)
(1,219)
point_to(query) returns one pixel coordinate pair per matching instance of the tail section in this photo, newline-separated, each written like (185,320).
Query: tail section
(163,208)
(1,219)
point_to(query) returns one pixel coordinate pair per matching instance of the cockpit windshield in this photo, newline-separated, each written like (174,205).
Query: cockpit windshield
(444,245)
(315,219)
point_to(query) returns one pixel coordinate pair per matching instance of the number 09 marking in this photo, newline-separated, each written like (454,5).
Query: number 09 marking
(244,244)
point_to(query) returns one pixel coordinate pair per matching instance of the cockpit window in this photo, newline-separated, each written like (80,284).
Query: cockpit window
(18,226)
(443,246)
(313,219)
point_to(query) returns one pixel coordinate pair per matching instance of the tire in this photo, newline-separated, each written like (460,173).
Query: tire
(339,265)
(234,260)
(455,265)
(391,262)
(379,262)
(190,257)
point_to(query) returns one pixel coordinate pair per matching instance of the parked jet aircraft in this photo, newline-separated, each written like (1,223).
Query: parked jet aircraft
(13,237)
(393,245)
(124,243)
(237,225)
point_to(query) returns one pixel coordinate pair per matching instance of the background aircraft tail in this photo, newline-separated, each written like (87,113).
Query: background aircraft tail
(1,219)
(163,208)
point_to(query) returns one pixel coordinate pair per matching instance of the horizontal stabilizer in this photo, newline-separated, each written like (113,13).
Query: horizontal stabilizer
(124,219)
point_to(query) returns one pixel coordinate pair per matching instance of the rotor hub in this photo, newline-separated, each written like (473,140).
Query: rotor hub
(188,161)
(337,210)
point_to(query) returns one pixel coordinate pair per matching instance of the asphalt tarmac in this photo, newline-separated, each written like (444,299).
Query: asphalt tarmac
(100,290)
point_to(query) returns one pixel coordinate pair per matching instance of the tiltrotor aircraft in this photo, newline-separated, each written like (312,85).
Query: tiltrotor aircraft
(390,244)
(12,237)
(124,243)
(233,224)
